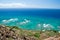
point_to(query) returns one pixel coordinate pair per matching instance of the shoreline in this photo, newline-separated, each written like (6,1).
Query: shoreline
(21,34)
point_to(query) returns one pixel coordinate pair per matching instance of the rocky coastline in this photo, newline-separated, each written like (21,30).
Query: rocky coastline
(15,33)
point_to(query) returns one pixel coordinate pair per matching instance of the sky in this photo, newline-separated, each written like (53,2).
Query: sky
(30,4)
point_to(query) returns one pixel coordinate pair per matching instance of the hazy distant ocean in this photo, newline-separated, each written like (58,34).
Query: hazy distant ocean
(31,19)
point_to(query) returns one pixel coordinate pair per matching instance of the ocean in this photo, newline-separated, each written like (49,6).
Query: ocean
(31,19)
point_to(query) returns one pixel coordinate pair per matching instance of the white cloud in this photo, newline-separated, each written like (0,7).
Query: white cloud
(17,5)
(25,5)
(10,20)
(12,5)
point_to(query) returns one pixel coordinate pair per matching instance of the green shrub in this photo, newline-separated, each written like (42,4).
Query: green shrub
(37,35)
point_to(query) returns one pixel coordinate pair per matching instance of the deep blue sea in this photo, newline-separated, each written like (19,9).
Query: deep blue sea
(31,19)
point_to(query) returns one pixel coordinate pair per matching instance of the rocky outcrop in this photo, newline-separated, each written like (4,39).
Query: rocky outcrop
(52,38)
(7,33)
(14,33)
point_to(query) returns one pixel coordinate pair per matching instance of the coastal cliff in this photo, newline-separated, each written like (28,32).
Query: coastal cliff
(15,33)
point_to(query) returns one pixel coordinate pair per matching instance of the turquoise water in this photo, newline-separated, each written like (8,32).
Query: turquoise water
(31,20)
(31,23)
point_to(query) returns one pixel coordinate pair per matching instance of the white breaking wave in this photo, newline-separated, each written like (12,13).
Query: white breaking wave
(45,26)
(59,31)
(10,20)
(24,22)
(39,25)
(48,26)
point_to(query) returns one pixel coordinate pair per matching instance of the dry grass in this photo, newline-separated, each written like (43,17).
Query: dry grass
(27,34)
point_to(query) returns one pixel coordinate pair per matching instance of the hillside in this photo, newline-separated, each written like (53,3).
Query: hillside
(15,33)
